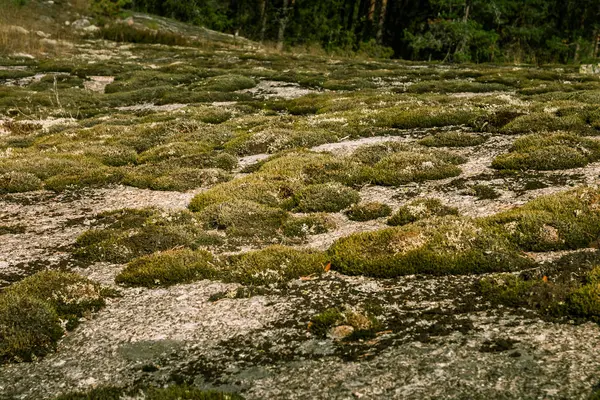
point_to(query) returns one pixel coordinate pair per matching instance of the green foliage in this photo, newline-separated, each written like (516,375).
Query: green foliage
(32,309)
(109,8)
(121,236)
(438,246)
(19,182)
(452,139)
(549,152)
(273,265)
(329,197)
(368,211)
(420,209)
(168,268)
(569,220)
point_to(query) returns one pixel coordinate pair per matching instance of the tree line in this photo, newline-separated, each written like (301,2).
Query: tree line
(521,31)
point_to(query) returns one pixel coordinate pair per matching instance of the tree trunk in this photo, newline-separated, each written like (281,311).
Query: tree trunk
(263,19)
(460,47)
(597,46)
(283,20)
(382,13)
(371,14)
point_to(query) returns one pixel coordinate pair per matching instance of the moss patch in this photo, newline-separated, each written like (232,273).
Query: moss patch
(452,139)
(549,152)
(447,245)
(565,292)
(19,182)
(274,265)
(420,209)
(124,235)
(329,197)
(368,211)
(168,268)
(32,309)
(245,219)
(564,221)
(358,324)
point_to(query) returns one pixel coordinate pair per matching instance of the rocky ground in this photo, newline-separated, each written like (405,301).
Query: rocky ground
(156,126)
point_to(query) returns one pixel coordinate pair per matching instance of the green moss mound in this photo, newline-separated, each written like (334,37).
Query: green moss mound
(549,152)
(70,295)
(438,246)
(420,209)
(544,122)
(31,312)
(452,139)
(168,268)
(19,182)
(329,197)
(266,190)
(574,294)
(29,328)
(368,211)
(244,219)
(274,265)
(121,236)
(410,166)
(228,83)
(565,221)
(310,224)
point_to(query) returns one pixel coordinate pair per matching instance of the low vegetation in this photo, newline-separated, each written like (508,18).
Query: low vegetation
(368,211)
(549,152)
(438,246)
(567,288)
(173,392)
(35,312)
(168,268)
(420,209)
(564,221)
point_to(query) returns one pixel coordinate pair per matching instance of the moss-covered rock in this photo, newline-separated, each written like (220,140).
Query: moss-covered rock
(274,265)
(576,298)
(69,295)
(245,219)
(568,220)
(265,190)
(328,197)
(447,245)
(310,224)
(452,139)
(549,152)
(404,167)
(168,268)
(19,182)
(228,83)
(420,209)
(122,236)
(29,328)
(34,311)
(368,211)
